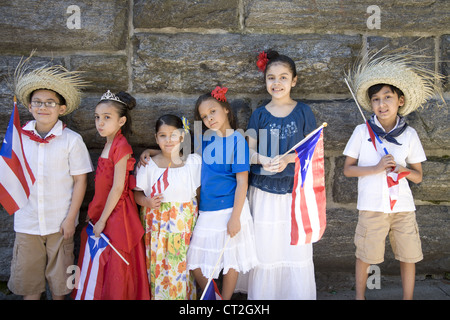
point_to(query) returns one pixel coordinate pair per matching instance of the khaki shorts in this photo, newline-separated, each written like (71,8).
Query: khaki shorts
(37,258)
(371,232)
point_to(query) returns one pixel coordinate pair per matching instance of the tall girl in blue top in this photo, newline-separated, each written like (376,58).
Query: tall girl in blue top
(224,215)
(284,271)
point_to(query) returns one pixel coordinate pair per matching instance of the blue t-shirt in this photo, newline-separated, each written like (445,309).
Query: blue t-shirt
(280,135)
(222,158)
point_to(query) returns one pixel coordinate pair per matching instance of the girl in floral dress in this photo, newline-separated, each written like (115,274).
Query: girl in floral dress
(170,216)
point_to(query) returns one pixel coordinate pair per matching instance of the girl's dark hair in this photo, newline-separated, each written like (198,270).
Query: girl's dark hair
(170,120)
(377,87)
(273,57)
(224,104)
(123,109)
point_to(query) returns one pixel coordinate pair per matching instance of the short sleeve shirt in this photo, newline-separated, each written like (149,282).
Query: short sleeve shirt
(53,165)
(373,193)
(276,136)
(222,158)
(183,181)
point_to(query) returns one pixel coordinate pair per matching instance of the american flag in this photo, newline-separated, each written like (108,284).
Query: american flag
(161,184)
(308,216)
(16,177)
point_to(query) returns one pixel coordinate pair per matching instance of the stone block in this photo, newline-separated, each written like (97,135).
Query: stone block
(43,25)
(335,252)
(435,182)
(444,63)
(210,14)
(104,72)
(342,116)
(341,16)
(7,236)
(195,63)
(431,123)
(345,190)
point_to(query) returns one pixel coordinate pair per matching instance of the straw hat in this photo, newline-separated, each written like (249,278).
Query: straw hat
(398,68)
(56,78)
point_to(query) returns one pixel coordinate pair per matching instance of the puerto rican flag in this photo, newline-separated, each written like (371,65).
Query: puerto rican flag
(93,258)
(392,177)
(161,184)
(211,292)
(308,216)
(16,177)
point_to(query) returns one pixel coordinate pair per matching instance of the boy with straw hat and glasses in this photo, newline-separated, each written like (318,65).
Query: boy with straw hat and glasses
(60,161)
(381,153)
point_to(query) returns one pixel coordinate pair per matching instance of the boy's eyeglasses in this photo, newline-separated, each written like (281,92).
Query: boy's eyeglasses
(48,104)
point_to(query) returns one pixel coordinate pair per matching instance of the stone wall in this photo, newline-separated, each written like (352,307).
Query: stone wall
(168,52)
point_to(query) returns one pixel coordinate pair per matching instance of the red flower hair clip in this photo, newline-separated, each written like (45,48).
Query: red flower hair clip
(262,61)
(219,93)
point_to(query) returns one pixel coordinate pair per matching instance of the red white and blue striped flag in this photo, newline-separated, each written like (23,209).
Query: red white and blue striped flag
(392,177)
(308,216)
(90,283)
(16,177)
(211,292)
(161,184)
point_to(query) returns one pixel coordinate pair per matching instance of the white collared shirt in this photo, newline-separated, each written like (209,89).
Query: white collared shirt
(53,165)
(373,193)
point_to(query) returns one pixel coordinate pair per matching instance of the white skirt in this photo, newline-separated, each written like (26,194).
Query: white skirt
(284,271)
(209,238)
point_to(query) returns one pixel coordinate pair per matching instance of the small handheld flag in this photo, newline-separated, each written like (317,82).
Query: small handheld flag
(16,177)
(90,231)
(162,183)
(308,208)
(211,292)
(90,283)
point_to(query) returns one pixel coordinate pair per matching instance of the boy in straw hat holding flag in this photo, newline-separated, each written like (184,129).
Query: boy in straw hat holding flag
(381,153)
(60,161)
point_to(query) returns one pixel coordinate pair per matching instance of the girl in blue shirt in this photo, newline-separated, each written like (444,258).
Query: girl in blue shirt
(284,271)
(224,216)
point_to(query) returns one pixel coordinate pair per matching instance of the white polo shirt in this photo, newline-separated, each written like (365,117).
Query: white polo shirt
(53,165)
(373,193)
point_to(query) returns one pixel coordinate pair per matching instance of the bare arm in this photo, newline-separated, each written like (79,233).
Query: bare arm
(146,155)
(415,170)
(149,202)
(234,224)
(79,190)
(351,168)
(114,195)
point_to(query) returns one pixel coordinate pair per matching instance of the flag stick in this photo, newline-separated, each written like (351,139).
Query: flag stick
(362,114)
(215,267)
(356,101)
(303,141)
(112,247)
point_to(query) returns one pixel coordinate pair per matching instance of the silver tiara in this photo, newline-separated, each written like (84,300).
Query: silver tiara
(111,96)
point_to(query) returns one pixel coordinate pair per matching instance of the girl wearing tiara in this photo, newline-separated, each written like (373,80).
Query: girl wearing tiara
(113,212)
(169,216)
(224,223)
(284,271)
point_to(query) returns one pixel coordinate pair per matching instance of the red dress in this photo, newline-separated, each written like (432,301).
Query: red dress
(123,228)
